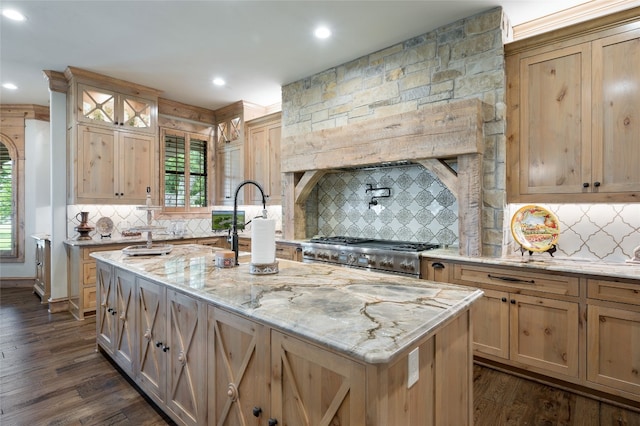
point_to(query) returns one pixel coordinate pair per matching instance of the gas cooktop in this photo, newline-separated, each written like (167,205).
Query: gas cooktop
(374,243)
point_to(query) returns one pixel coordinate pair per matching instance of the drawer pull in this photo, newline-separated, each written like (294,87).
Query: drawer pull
(437,265)
(510,279)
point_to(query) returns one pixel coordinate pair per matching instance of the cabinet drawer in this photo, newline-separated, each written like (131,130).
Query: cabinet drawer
(89,273)
(515,279)
(89,297)
(614,291)
(286,252)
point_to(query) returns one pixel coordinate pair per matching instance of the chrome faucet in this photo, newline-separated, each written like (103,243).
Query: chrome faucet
(234,235)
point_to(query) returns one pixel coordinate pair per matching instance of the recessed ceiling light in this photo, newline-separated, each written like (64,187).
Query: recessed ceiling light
(13,14)
(10,86)
(218,81)
(322,32)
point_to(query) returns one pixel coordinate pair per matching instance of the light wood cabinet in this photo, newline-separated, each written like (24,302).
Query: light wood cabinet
(113,140)
(114,166)
(288,251)
(111,109)
(238,365)
(613,336)
(116,315)
(263,158)
(580,329)
(42,283)
(574,109)
(527,318)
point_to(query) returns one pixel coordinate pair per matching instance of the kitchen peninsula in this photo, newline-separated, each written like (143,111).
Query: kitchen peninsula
(313,344)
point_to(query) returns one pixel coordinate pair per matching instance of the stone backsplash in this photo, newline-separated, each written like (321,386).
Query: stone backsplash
(420,208)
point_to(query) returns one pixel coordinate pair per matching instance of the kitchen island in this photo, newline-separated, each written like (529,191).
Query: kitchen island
(313,344)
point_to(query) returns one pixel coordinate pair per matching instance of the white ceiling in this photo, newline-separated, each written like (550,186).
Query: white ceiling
(180,46)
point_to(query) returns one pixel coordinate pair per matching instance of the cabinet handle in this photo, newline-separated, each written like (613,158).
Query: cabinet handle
(510,279)
(257,411)
(273,422)
(585,185)
(437,265)
(596,184)
(165,348)
(113,312)
(504,299)
(158,344)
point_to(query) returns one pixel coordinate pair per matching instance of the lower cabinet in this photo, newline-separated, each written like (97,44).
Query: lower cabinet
(613,336)
(549,329)
(157,336)
(42,283)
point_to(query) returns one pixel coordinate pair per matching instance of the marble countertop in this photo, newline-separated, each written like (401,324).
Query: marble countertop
(547,263)
(157,237)
(366,315)
(41,236)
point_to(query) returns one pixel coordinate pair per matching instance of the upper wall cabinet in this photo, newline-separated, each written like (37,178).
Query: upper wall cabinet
(263,158)
(574,114)
(113,109)
(113,140)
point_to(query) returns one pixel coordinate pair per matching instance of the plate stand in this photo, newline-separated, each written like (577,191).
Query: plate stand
(550,250)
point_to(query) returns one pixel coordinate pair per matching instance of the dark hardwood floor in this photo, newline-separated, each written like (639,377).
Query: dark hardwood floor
(50,374)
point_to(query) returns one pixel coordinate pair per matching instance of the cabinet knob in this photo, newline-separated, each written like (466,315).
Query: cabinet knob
(513,301)
(504,299)
(596,184)
(115,122)
(272,422)
(165,348)
(158,344)
(585,185)
(257,411)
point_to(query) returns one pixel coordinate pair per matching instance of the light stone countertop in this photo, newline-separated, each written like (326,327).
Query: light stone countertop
(543,261)
(156,237)
(366,315)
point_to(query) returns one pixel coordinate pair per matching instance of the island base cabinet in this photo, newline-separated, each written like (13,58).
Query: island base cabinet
(313,386)
(171,333)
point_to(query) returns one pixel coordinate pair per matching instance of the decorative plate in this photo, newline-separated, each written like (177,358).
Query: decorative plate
(104,226)
(535,228)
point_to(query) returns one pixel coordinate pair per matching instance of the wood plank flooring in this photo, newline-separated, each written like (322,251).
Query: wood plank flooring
(50,374)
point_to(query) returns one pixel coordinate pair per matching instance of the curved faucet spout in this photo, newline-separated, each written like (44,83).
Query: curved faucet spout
(234,236)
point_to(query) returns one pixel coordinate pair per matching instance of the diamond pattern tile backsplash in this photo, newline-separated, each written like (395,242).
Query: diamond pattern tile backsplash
(605,232)
(420,208)
(125,217)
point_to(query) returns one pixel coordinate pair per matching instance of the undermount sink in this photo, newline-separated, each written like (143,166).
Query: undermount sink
(143,249)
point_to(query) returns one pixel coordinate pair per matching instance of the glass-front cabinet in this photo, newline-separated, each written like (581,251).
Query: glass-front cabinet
(110,108)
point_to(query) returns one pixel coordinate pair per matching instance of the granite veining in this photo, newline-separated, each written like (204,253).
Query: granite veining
(366,315)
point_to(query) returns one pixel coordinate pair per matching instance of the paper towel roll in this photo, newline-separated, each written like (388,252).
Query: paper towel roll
(263,241)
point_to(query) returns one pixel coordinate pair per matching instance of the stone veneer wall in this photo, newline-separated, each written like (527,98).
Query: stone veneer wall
(461,60)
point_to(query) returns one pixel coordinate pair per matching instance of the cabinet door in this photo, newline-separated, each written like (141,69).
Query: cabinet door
(124,310)
(96,164)
(313,386)
(186,333)
(544,334)
(491,324)
(616,112)
(97,106)
(137,168)
(105,300)
(151,324)
(613,347)
(238,369)
(555,121)
(137,113)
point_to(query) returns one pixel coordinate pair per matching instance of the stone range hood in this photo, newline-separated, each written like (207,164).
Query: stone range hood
(427,136)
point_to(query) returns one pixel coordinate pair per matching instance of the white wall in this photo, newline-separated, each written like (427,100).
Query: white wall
(37,203)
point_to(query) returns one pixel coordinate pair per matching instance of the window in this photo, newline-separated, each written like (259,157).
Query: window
(10,207)
(186,166)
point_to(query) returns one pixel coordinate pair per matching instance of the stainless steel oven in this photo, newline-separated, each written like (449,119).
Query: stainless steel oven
(396,257)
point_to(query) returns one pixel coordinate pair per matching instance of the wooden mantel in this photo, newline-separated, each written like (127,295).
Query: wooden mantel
(426,136)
